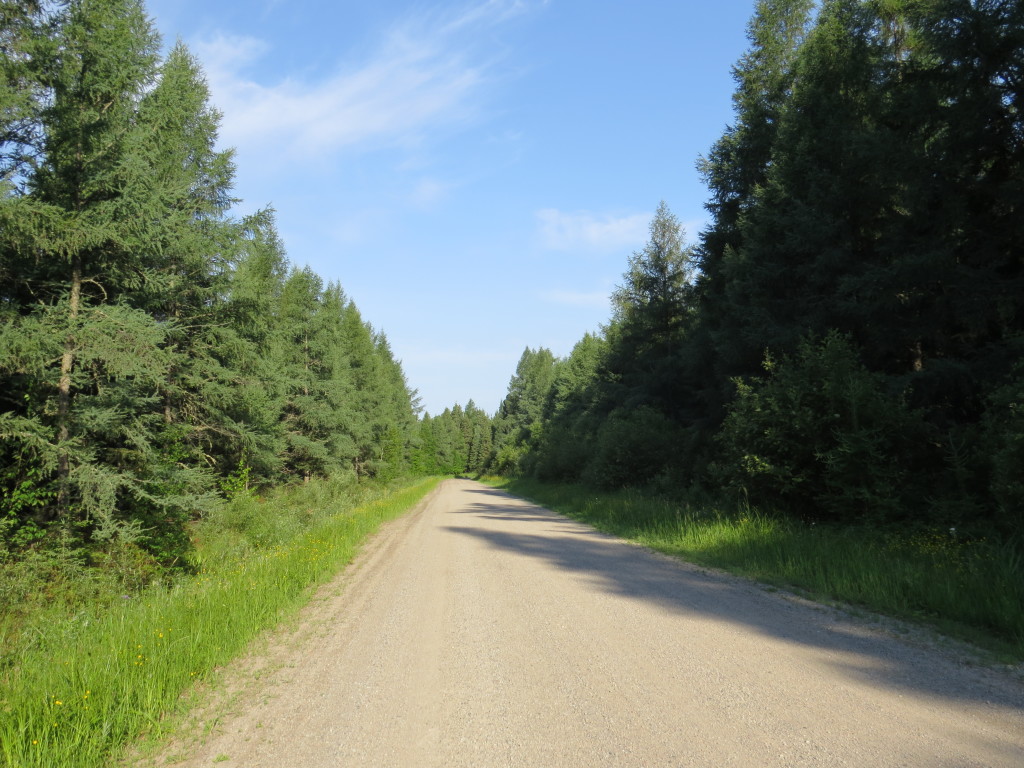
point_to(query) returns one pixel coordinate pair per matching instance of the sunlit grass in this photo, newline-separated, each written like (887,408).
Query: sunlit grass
(968,589)
(84,685)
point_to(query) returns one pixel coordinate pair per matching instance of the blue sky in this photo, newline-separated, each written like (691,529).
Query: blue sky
(475,174)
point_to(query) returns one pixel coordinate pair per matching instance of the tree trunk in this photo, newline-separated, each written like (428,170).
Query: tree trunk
(67,362)
(917,353)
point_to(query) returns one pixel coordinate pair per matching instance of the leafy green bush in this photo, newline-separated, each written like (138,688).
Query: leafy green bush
(633,446)
(565,449)
(1005,438)
(819,435)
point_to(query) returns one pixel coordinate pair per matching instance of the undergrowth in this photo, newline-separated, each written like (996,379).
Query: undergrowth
(78,684)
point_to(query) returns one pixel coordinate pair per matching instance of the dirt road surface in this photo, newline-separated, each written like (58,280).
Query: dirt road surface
(484,631)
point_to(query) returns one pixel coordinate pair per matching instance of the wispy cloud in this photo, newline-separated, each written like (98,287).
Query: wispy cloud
(586,231)
(488,13)
(693,227)
(428,192)
(426,72)
(358,227)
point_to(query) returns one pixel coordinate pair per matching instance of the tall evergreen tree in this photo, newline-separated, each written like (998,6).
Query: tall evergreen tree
(571,414)
(736,168)
(80,232)
(249,398)
(519,418)
(22,95)
(481,442)
(397,419)
(652,310)
(148,341)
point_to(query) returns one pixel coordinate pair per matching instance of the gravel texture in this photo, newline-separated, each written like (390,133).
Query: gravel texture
(482,630)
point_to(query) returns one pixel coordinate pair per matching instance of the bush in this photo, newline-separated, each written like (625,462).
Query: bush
(565,450)
(820,436)
(1004,430)
(633,446)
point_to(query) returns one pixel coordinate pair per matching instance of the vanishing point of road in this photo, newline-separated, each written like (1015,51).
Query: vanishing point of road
(482,630)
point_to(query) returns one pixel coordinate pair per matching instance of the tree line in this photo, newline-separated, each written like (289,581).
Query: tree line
(843,340)
(156,352)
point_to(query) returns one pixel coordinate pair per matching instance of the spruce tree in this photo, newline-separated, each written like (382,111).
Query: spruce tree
(652,311)
(249,395)
(571,413)
(735,169)
(119,235)
(79,232)
(519,420)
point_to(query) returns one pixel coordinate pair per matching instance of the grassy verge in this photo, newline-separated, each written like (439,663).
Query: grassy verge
(83,685)
(971,590)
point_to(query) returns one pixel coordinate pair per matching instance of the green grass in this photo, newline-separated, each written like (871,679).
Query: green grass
(970,590)
(81,686)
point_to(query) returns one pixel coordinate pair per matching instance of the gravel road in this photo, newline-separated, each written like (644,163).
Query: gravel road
(483,631)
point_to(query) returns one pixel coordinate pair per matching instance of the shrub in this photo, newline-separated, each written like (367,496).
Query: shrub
(1004,430)
(633,446)
(819,435)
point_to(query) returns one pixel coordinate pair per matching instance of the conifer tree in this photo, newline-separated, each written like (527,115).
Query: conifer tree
(519,420)
(652,310)
(424,455)
(79,232)
(250,396)
(397,419)
(480,439)
(150,344)
(22,95)
(571,414)
(736,168)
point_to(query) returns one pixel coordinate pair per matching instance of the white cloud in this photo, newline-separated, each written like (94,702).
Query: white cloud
(391,99)
(488,13)
(586,231)
(425,73)
(227,53)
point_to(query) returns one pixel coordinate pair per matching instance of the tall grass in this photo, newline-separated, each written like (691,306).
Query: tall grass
(969,589)
(83,685)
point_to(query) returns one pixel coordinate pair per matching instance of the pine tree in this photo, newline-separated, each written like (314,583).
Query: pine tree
(572,418)
(79,232)
(736,169)
(887,214)
(22,96)
(424,457)
(519,420)
(150,344)
(397,418)
(652,311)
(481,442)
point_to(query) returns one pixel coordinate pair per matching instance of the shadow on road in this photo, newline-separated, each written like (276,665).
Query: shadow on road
(635,573)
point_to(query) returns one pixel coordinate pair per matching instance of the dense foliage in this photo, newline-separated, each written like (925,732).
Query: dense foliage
(156,352)
(457,442)
(843,340)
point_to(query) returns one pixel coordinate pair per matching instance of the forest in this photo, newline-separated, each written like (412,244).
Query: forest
(157,353)
(840,344)
(826,382)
